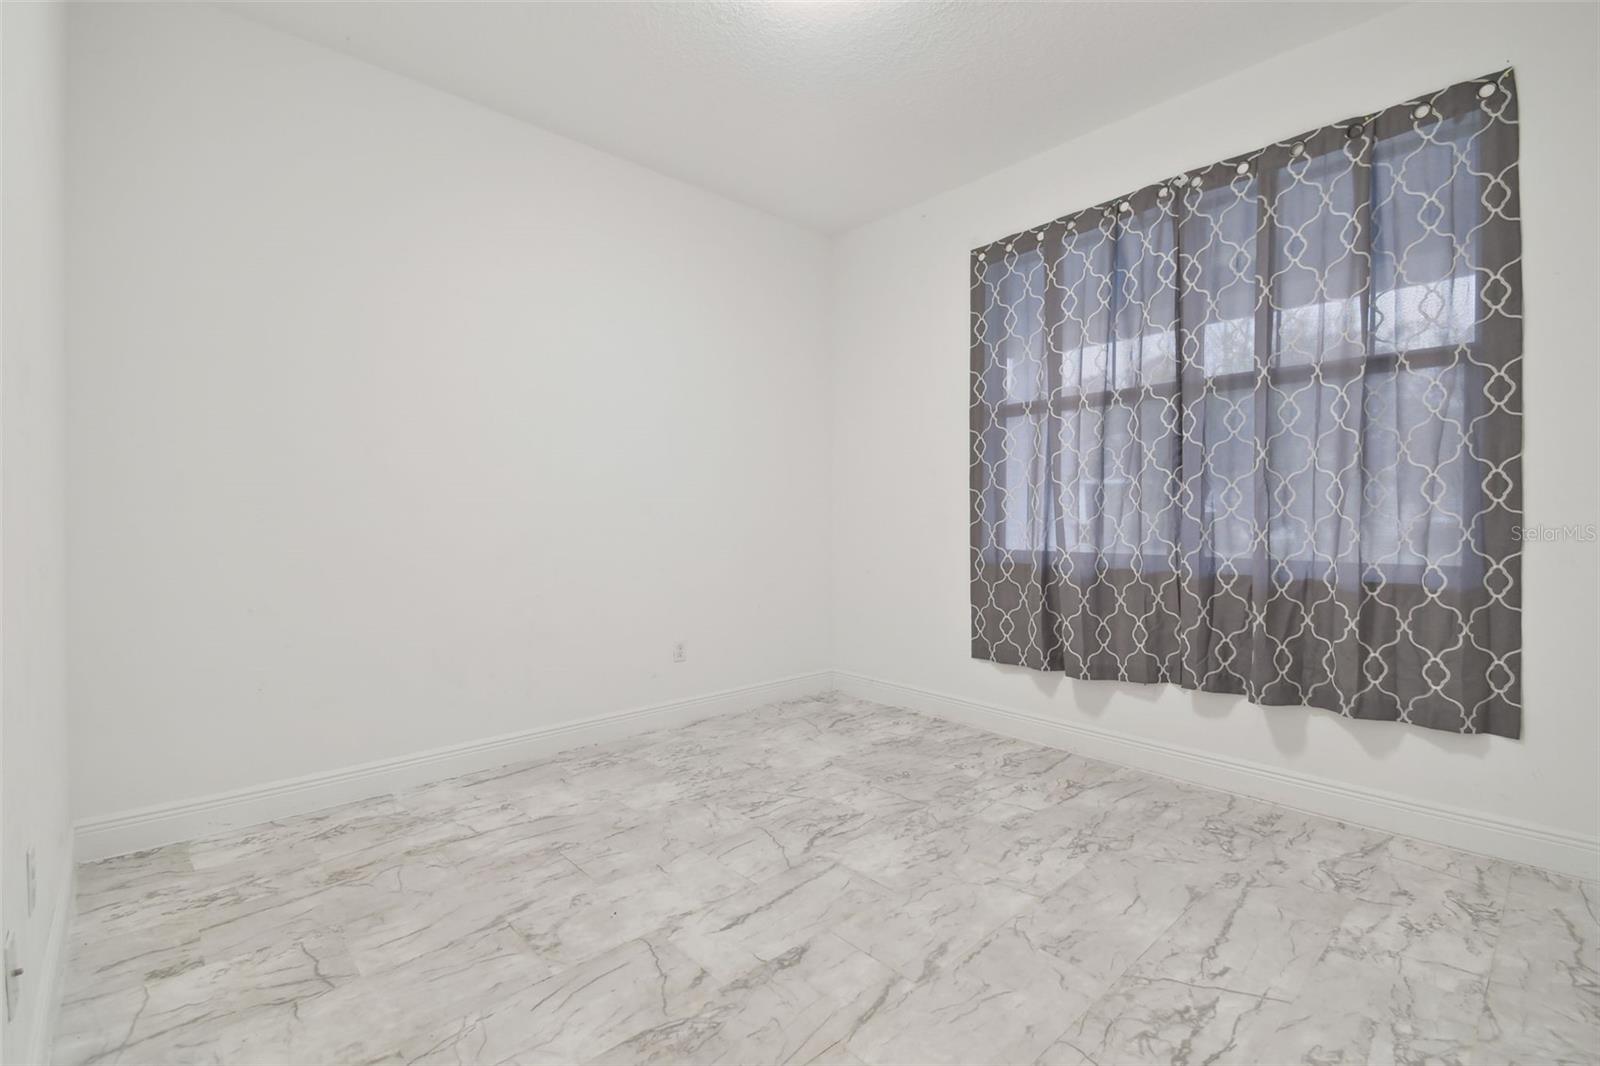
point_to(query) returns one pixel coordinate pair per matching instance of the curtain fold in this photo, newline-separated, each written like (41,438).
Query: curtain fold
(1257,429)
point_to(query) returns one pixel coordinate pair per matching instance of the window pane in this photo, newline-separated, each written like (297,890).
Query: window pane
(1414,496)
(1222,427)
(1425,224)
(1024,488)
(1013,325)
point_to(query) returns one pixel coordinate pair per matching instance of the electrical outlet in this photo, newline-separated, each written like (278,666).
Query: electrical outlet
(33,879)
(13,976)
(680,652)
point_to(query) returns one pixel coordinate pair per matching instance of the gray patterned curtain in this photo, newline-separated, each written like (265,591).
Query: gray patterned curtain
(1257,429)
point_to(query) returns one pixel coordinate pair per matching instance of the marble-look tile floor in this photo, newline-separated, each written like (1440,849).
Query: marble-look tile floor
(825,881)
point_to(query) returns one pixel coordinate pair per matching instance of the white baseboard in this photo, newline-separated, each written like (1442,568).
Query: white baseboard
(168,823)
(46,1002)
(1474,831)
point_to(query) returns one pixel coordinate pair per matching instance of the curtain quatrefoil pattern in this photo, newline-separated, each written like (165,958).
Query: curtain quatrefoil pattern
(1257,429)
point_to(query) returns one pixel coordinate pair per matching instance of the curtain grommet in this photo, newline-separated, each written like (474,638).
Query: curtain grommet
(1298,149)
(1421,111)
(1195,182)
(1355,130)
(1242,168)
(1486,90)
(1125,207)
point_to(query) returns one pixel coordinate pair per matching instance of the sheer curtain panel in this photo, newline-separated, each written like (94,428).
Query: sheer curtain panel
(1257,428)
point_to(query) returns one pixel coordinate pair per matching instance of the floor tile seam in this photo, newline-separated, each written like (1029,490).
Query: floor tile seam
(939,967)
(1264,997)
(1494,951)
(1133,964)
(1410,864)
(894,893)
(1519,902)
(765,832)
(898,975)
(705,849)
(1076,1019)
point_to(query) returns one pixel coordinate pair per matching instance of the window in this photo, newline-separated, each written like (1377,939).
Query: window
(1257,429)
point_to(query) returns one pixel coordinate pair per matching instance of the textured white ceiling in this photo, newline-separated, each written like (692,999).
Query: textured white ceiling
(829,114)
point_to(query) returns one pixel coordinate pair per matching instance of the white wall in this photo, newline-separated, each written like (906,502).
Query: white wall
(900,448)
(33,726)
(396,423)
